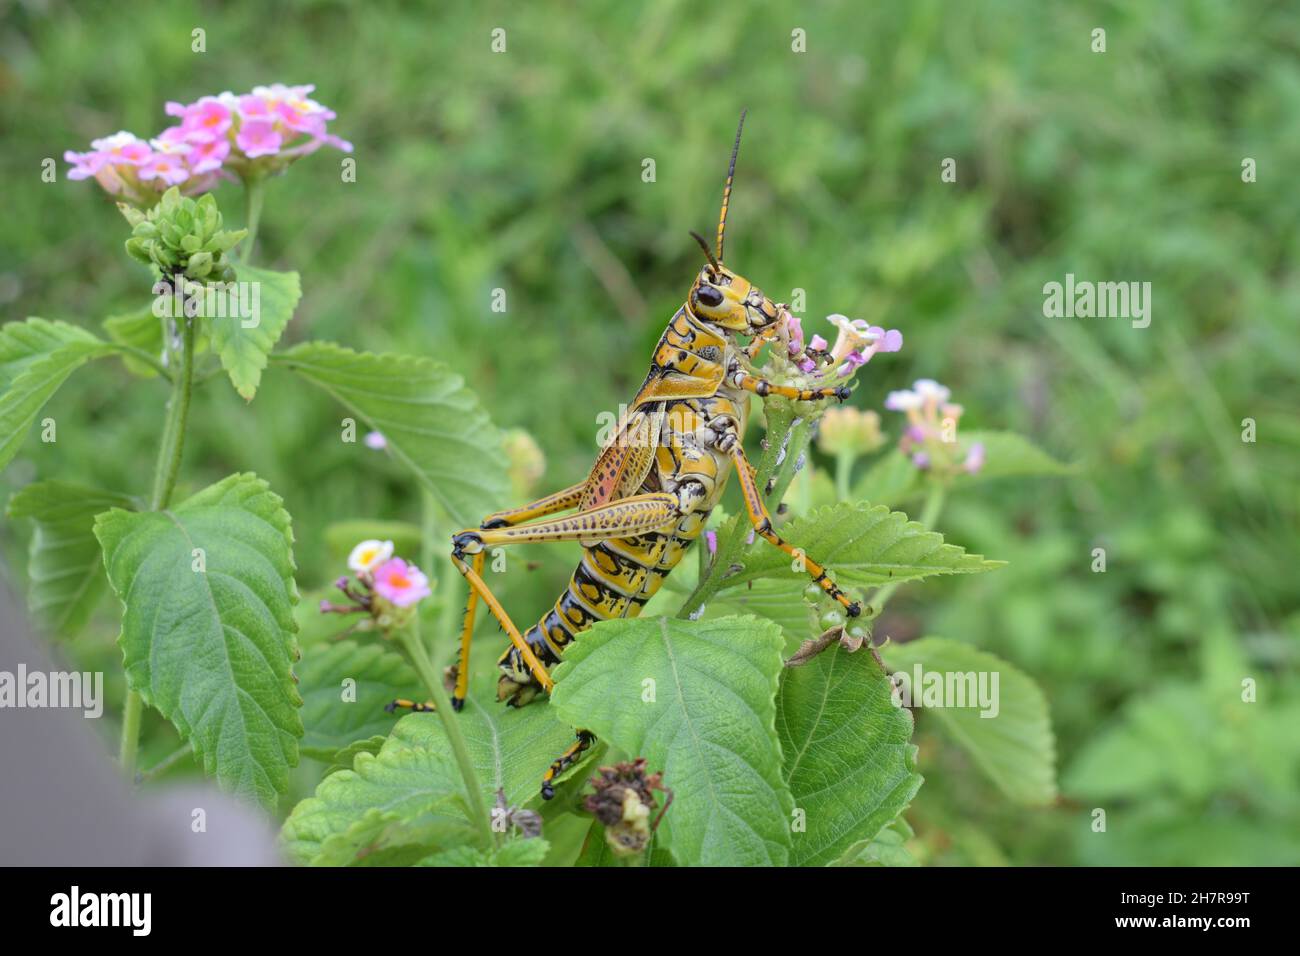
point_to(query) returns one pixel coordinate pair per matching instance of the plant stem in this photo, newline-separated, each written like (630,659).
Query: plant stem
(785,444)
(167,762)
(178,410)
(169,463)
(843,471)
(409,637)
(929,515)
(131,713)
(253,188)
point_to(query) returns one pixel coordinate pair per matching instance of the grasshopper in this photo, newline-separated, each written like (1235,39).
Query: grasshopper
(651,491)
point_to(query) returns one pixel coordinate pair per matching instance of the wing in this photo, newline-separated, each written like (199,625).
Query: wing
(626,458)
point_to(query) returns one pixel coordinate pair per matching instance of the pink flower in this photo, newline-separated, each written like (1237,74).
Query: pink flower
(84,165)
(253,107)
(818,343)
(208,157)
(399,583)
(165,168)
(974,458)
(258,138)
(123,147)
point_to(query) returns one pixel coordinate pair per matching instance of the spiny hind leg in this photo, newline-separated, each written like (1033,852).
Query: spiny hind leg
(564,500)
(762,522)
(619,519)
(566,760)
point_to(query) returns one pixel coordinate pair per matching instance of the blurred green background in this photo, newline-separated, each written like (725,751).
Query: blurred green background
(522,170)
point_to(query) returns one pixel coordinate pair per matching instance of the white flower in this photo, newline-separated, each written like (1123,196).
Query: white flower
(369,554)
(930,390)
(904,401)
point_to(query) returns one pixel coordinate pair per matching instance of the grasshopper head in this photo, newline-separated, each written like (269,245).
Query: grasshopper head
(731,302)
(719,296)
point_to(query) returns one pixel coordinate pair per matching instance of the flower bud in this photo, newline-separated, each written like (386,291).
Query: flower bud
(849,430)
(180,234)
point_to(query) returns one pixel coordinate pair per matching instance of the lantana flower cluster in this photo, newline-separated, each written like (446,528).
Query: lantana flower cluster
(811,362)
(930,438)
(217,137)
(384,587)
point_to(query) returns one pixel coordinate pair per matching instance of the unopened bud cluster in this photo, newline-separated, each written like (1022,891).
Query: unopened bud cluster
(181,235)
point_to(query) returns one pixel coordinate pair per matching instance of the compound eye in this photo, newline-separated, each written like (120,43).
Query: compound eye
(707,295)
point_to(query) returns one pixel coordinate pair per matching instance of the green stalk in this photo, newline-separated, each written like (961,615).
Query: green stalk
(780,422)
(409,638)
(253,189)
(165,472)
(843,472)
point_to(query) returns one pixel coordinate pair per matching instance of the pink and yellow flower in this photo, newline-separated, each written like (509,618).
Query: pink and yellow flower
(400,584)
(218,137)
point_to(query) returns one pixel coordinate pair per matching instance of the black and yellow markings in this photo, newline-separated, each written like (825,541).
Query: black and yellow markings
(565,760)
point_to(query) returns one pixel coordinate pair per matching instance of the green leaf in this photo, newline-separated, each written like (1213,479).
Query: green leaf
(211,649)
(432,423)
(36,357)
(515,852)
(244,351)
(709,728)
(140,329)
(1007,454)
(334,716)
(396,807)
(890,479)
(889,848)
(862,545)
(64,566)
(1015,748)
(849,760)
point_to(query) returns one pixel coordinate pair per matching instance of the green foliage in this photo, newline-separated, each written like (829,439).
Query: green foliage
(64,567)
(36,357)
(888,848)
(209,639)
(432,423)
(709,726)
(1013,744)
(140,329)
(516,852)
(407,802)
(865,545)
(333,723)
(244,351)
(848,756)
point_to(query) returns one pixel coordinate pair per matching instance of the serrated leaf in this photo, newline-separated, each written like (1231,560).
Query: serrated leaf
(1015,748)
(406,802)
(331,722)
(212,649)
(888,848)
(432,423)
(861,545)
(514,852)
(36,357)
(65,567)
(1007,454)
(849,759)
(244,351)
(709,728)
